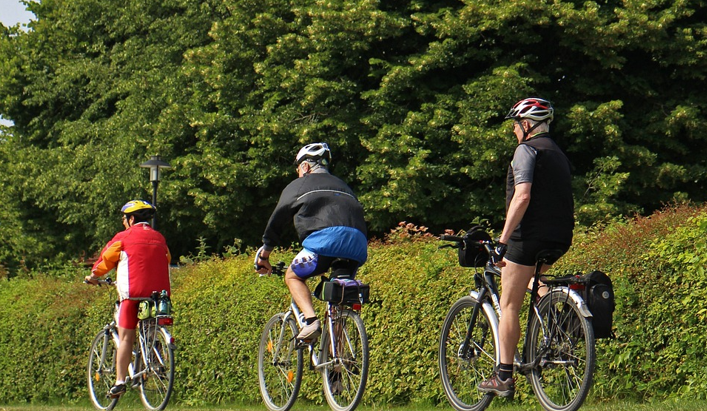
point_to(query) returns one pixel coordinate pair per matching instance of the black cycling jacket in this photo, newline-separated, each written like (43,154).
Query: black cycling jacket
(315,201)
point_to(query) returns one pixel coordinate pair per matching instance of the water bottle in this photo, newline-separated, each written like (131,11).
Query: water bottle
(164,303)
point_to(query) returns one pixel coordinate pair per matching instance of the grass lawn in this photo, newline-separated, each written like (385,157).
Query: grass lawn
(496,406)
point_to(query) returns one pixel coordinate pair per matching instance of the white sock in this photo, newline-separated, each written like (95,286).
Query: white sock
(119,382)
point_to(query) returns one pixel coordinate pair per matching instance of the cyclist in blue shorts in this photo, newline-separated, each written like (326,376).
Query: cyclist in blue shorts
(330,224)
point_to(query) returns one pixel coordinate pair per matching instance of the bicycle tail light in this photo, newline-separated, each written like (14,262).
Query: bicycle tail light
(356,307)
(165,321)
(577,287)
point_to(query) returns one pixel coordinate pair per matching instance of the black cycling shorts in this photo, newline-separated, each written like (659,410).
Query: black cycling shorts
(524,252)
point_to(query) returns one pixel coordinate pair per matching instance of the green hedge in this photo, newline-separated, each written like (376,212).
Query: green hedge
(657,263)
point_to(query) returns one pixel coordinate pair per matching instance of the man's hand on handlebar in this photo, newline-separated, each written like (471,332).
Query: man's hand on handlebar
(261,264)
(497,254)
(263,267)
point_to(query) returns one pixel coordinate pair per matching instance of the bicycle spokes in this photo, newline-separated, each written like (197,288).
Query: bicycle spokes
(562,352)
(279,363)
(467,355)
(344,361)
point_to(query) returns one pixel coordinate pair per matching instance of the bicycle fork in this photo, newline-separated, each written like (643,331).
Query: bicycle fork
(109,333)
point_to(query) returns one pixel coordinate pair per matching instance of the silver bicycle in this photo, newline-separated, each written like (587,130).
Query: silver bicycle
(152,368)
(340,355)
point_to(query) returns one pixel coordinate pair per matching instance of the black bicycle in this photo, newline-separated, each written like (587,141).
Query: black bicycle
(557,355)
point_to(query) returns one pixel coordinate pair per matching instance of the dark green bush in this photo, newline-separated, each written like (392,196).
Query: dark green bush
(657,264)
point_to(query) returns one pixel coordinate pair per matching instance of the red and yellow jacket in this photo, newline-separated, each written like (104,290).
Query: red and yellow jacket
(141,259)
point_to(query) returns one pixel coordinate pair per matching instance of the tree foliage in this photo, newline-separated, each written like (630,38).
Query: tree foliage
(409,94)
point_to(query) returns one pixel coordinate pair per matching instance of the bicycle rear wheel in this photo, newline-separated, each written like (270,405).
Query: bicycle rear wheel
(101,370)
(563,343)
(345,378)
(462,367)
(156,386)
(279,363)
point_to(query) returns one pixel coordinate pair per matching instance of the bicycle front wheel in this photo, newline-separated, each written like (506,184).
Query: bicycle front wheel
(101,370)
(156,387)
(345,374)
(467,355)
(562,343)
(279,363)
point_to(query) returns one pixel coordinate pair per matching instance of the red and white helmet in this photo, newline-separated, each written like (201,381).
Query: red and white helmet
(532,108)
(318,152)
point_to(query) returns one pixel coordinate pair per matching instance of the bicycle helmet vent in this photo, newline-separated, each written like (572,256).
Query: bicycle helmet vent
(532,108)
(318,152)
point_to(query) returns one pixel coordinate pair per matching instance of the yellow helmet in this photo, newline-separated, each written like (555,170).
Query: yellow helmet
(141,206)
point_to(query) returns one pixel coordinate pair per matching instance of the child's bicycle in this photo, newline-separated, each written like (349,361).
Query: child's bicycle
(340,354)
(558,351)
(152,368)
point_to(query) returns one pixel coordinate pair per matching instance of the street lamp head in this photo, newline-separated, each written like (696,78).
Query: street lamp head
(155,164)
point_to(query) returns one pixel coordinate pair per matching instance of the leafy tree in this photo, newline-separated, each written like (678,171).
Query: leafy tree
(410,95)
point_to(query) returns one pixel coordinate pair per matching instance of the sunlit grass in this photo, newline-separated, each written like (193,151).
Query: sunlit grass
(304,406)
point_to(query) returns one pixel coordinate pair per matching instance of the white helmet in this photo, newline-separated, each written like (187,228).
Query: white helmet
(533,108)
(318,152)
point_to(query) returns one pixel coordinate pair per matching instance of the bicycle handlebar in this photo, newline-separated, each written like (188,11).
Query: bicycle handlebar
(488,245)
(108,281)
(277,269)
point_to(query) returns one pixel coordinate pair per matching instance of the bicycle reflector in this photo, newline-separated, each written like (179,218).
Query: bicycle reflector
(356,307)
(577,287)
(165,321)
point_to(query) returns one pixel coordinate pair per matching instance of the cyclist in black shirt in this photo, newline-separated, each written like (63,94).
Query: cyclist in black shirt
(539,216)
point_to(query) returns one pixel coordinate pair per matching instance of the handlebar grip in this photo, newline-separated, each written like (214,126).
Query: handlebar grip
(447,237)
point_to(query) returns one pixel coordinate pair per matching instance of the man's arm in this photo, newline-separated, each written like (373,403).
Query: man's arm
(516,210)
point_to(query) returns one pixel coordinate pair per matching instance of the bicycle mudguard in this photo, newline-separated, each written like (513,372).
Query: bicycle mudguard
(493,321)
(168,337)
(578,300)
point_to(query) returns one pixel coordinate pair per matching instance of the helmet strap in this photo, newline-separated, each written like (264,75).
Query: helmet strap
(526,134)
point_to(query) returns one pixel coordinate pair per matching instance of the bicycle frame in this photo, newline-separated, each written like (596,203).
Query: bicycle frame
(488,299)
(147,336)
(295,312)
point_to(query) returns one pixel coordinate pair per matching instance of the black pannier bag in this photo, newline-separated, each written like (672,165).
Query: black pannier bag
(470,253)
(599,296)
(345,291)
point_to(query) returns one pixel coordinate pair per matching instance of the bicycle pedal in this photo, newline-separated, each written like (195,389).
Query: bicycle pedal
(301,344)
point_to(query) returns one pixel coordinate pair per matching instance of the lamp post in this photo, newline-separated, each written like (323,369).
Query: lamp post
(155,164)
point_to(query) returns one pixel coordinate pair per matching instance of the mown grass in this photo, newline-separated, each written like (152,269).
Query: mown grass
(304,406)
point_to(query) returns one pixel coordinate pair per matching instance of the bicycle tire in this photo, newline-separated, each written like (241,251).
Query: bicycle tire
(564,376)
(345,380)
(157,383)
(279,363)
(102,373)
(461,372)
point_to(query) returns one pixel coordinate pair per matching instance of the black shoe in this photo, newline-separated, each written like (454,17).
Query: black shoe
(116,391)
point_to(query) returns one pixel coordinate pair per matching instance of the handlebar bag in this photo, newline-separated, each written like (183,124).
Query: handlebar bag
(472,254)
